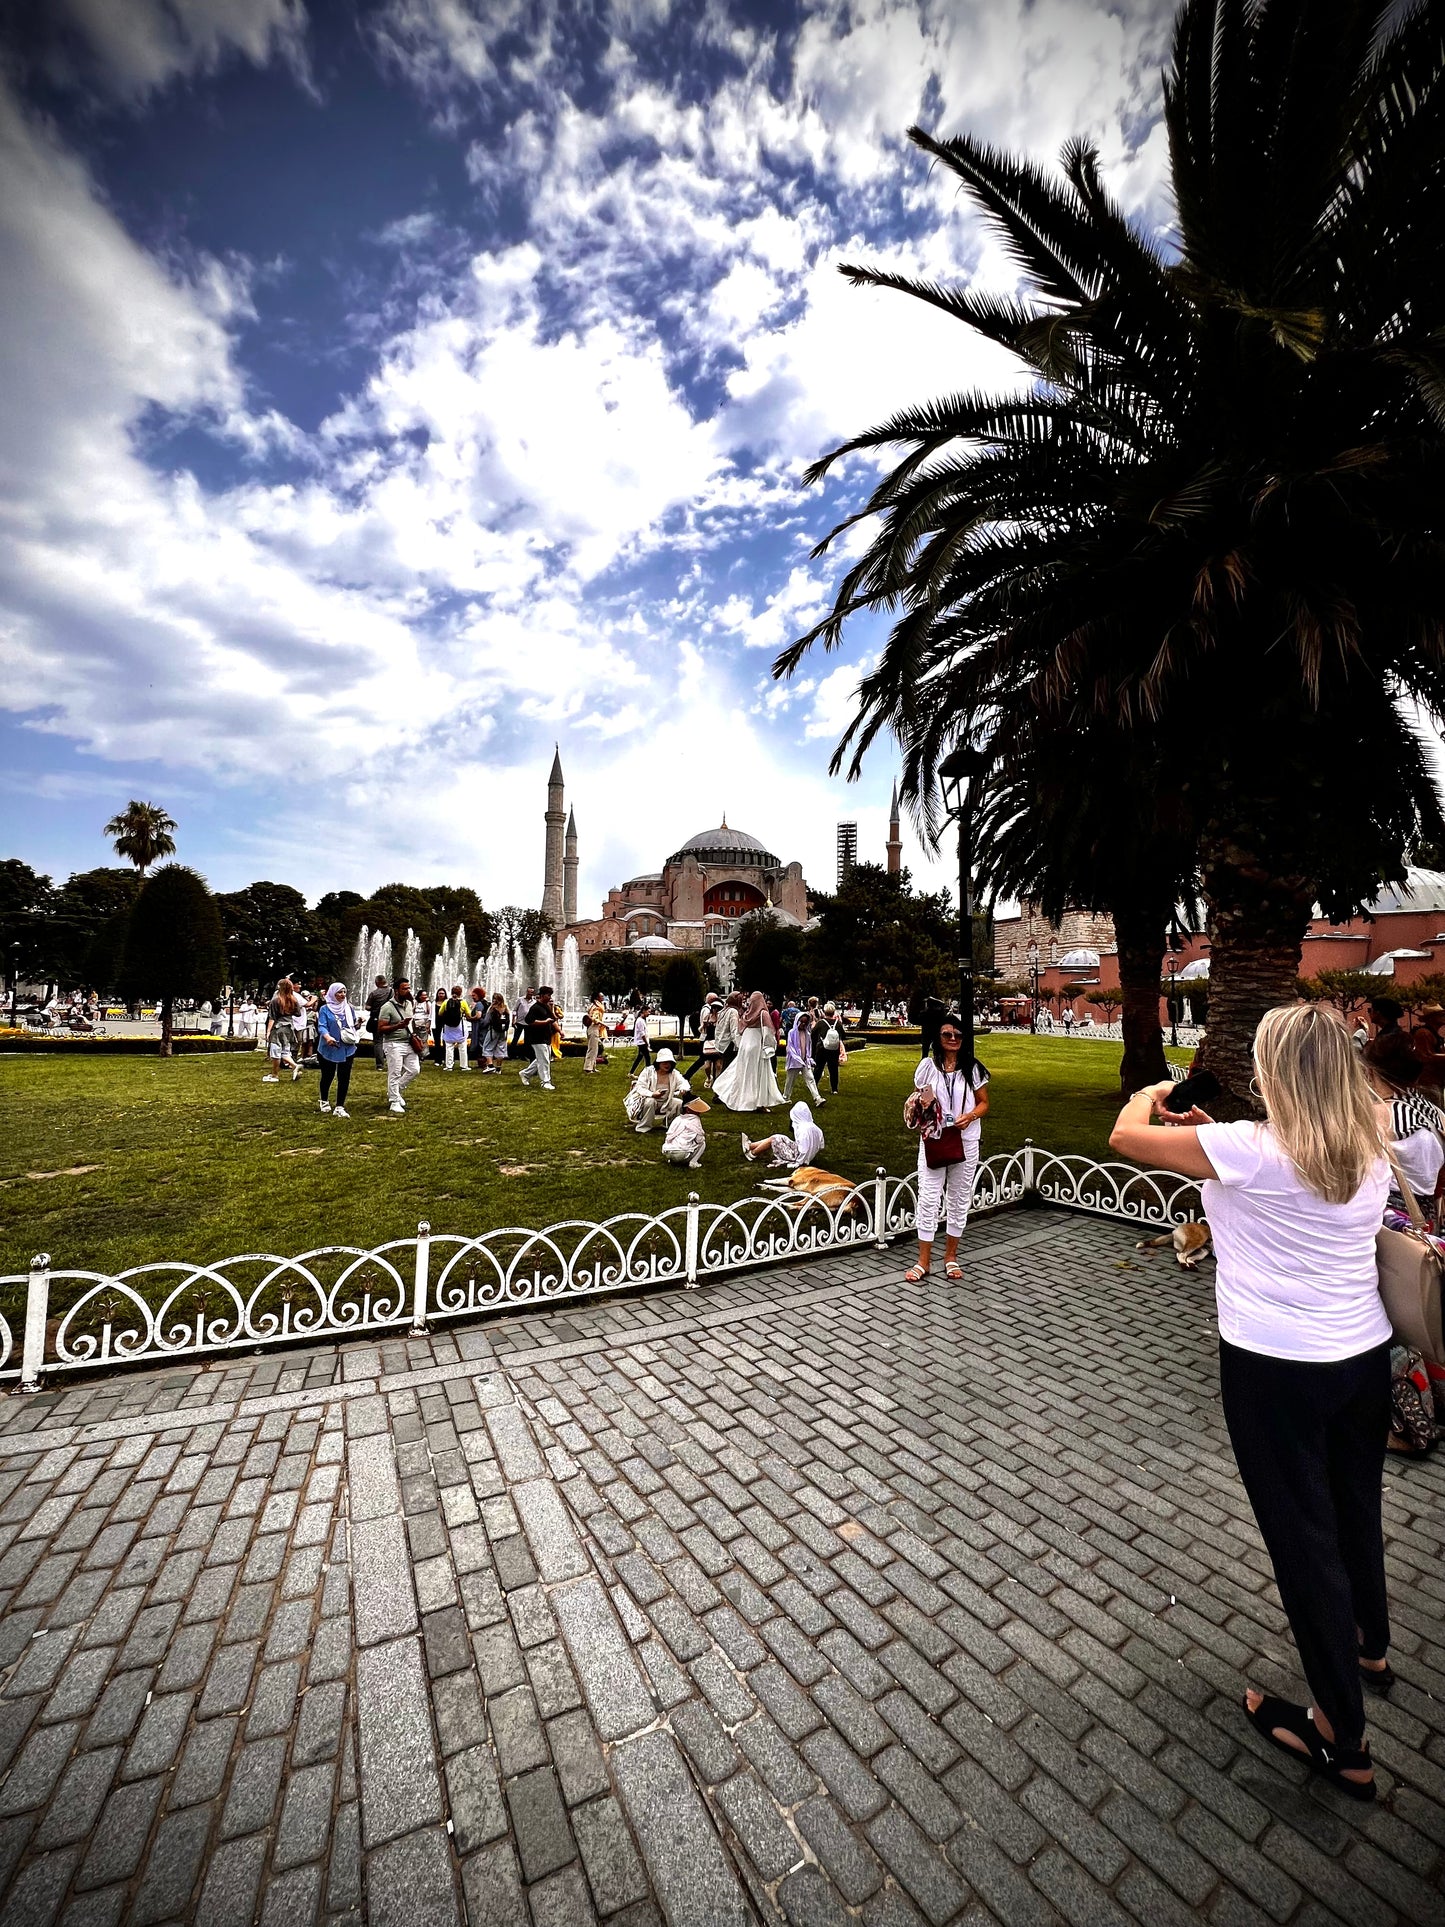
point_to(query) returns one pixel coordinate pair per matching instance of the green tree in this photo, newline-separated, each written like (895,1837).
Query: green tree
(269,932)
(26,932)
(877,936)
(175,946)
(1210,513)
(142,833)
(683,988)
(1347,990)
(611,973)
(769,956)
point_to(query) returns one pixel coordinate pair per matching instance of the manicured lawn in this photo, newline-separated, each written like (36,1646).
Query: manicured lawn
(195,1158)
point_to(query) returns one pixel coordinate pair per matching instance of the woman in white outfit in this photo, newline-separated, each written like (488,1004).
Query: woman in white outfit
(749,1083)
(952,1101)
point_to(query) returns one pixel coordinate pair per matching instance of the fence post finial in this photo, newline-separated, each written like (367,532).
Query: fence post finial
(690,1250)
(880,1206)
(37,1311)
(1030,1182)
(423,1266)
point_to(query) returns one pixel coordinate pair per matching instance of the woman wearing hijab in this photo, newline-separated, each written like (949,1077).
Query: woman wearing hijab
(801,1148)
(336,1022)
(799,1061)
(749,1082)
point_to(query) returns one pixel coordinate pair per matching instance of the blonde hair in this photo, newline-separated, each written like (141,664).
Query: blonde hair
(1319,1103)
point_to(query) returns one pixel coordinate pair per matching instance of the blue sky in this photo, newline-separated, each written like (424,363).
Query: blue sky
(388,390)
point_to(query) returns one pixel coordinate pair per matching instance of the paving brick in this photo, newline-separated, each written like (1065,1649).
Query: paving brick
(848,1863)
(613,1867)
(173,1867)
(400,1788)
(539,1822)
(491,1883)
(769,1844)
(158,1737)
(844,1775)
(255,1784)
(689,1872)
(916,1865)
(118,1839)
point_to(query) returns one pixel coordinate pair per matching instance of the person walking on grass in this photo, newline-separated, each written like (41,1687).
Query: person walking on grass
(378,995)
(519,1015)
(541,1027)
(947,1107)
(336,1033)
(642,1053)
(596,1027)
(453,1014)
(798,1062)
(1293,1205)
(494,1026)
(283,1014)
(394,1020)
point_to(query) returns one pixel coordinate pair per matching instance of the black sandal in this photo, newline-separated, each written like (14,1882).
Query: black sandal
(1377,1679)
(1318,1754)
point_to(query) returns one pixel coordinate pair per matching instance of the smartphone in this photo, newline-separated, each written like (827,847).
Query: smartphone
(1198,1088)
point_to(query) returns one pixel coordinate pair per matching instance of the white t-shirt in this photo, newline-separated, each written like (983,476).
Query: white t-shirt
(1296,1275)
(955,1093)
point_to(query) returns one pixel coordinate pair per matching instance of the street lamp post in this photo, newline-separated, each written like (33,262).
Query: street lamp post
(1034,975)
(1172,966)
(958,776)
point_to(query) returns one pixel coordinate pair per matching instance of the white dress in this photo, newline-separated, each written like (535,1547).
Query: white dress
(749,1083)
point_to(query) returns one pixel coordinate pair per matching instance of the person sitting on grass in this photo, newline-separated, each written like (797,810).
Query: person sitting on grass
(804,1144)
(658,1093)
(686,1140)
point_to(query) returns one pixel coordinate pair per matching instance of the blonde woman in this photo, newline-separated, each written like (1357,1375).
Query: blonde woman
(1304,1357)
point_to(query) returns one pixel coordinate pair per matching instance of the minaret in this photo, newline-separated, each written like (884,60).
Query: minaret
(569,872)
(895,839)
(555,820)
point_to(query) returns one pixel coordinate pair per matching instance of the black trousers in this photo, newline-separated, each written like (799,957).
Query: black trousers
(1309,1441)
(341,1072)
(825,1062)
(642,1055)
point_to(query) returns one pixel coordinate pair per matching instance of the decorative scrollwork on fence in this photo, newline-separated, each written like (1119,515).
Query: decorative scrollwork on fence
(163,1311)
(1115,1190)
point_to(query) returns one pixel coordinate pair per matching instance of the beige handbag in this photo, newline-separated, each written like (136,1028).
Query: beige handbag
(1410,1276)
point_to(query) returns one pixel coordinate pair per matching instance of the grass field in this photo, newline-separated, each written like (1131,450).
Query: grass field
(117,1161)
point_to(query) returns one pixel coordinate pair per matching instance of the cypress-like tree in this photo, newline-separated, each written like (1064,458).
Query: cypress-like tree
(174,945)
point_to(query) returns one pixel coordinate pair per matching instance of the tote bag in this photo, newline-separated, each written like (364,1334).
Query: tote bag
(1410,1275)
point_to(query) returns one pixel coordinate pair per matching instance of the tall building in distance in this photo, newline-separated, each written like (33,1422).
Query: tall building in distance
(556,821)
(895,839)
(847,850)
(569,871)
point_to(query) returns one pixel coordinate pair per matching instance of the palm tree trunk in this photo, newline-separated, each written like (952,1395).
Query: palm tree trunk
(1257,924)
(167,1049)
(1141,931)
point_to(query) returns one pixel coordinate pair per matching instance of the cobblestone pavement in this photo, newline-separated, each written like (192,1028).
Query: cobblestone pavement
(807,1596)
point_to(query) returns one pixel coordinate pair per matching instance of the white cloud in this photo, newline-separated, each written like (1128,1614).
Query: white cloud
(134,47)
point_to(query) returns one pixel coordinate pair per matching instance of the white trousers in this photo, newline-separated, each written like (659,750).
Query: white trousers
(402,1065)
(540,1066)
(654,1113)
(950,1183)
(457,1054)
(810,1084)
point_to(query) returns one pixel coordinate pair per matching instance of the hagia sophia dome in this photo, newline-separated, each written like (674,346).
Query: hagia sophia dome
(727,845)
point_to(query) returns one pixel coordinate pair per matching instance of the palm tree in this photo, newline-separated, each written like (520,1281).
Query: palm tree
(1212,513)
(142,833)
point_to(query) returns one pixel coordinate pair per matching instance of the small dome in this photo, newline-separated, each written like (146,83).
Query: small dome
(1196,972)
(726,845)
(1079,960)
(651,943)
(1421,890)
(1384,964)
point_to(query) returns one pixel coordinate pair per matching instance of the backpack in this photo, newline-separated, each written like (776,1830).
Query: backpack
(452,1012)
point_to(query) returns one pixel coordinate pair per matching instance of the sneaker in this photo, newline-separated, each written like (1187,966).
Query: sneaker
(642,1129)
(549,1087)
(747,1148)
(269,1079)
(325,1108)
(398,1110)
(338,1112)
(295,1072)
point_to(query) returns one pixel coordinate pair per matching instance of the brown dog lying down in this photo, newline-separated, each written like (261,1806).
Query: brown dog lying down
(1191,1242)
(826,1186)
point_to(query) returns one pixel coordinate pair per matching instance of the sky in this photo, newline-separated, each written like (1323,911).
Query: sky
(391,389)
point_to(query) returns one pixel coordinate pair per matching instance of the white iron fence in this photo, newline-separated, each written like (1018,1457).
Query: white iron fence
(80,1321)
